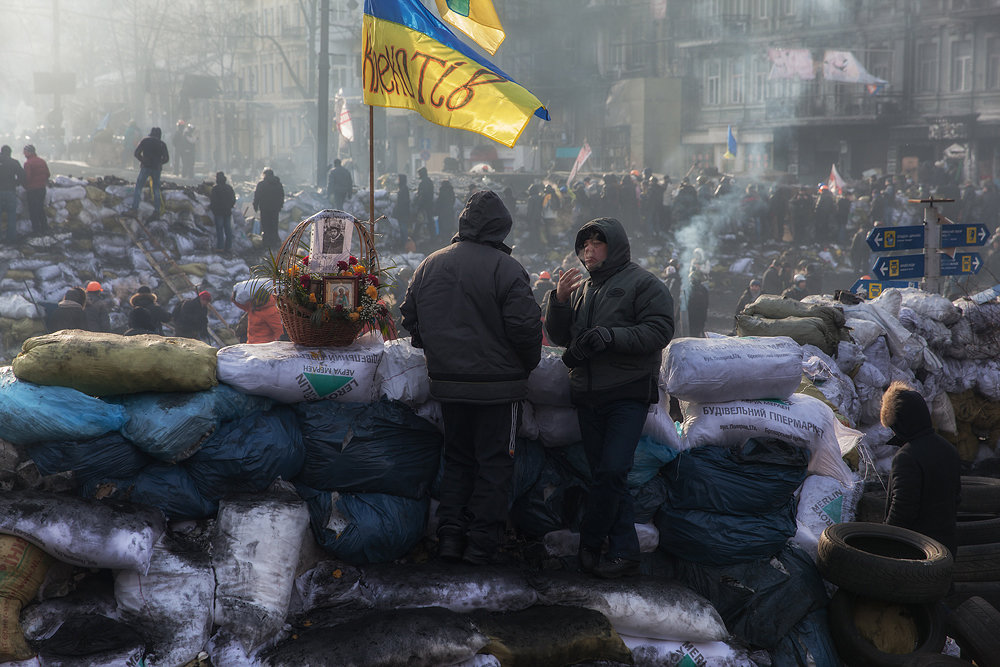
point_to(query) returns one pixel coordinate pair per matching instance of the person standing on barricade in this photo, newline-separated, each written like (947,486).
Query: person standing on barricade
(614,326)
(470,307)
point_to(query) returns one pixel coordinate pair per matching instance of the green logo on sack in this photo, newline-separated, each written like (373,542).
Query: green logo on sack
(324,384)
(834,508)
(687,661)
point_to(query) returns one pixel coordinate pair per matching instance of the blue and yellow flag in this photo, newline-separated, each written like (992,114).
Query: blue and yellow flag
(412,61)
(730,145)
(477,19)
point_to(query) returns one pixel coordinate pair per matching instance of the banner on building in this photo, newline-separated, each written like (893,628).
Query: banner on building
(843,66)
(791,64)
(580,159)
(410,60)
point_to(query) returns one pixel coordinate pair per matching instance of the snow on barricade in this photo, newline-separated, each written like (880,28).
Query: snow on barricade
(88,533)
(728,369)
(293,373)
(801,420)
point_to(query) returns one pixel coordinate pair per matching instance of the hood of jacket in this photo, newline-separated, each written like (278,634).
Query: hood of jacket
(485,219)
(619,251)
(905,412)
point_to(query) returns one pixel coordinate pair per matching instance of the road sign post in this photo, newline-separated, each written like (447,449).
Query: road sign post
(870,289)
(956,236)
(884,239)
(902,267)
(962,264)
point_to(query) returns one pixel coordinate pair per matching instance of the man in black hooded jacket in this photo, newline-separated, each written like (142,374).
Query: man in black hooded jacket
(471,309)
(614,326)
(925,481)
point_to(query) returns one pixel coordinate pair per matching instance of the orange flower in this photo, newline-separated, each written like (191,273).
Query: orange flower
(372,292)
(354,317)
(312,297)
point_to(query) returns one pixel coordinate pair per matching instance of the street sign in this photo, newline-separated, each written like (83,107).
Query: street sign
(899,268)
(964,263)
(870,289)
(882,239)
(956,236)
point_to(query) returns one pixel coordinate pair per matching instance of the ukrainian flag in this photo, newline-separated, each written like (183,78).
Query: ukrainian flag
(477,19)
(730,145)
(412,61)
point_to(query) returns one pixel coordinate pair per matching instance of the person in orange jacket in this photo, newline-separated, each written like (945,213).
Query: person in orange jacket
(263,319)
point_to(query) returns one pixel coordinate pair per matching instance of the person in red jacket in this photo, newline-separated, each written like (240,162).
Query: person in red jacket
(263,319)
(36,177)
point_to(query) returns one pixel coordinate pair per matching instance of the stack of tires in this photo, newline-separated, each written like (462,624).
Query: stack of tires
(887,611)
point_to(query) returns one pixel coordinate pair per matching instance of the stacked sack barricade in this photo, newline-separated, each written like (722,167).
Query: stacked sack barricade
(245,505)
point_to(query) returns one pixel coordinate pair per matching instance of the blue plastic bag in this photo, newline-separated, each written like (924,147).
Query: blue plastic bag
(35,413)
(247,455)
(109,455)
(171,426)
(168,487)
(366,527)
(650,456)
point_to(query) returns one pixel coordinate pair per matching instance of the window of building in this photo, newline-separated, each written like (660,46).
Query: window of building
(713,81)
(993,63)
(927,67)
(761,8)
(737,80)
(787,7)
(759,69)
(961,65)
(880,63)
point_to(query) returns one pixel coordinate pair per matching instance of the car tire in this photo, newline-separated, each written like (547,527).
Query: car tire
(856,650)
(978,562)
(885,562)
(977,529)
(975,626)
(980,495)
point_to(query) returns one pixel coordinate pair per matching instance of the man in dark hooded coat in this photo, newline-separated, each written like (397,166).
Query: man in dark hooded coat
(614,326)
(470,307)
(925,481)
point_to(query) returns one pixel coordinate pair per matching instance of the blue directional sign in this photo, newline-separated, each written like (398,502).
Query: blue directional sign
(870,289)
(882,239)
(956,236)
(899,268)
(964,263)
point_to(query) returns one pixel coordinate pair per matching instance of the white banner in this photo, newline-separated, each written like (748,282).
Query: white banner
(580,159)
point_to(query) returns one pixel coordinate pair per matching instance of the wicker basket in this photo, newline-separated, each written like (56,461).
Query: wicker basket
(298,320)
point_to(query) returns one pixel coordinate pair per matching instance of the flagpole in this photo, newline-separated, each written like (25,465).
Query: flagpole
(371,171)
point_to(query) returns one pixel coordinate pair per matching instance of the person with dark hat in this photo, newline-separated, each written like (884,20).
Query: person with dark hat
(797,290)
(339,184)
(11,176)
(36,178)
(268,198)
(145,298)
(423,204)
(749,295)
(469,307)
(221,201)
(925,481)
(152,154)
(191,317)
(68,313)
(614,326)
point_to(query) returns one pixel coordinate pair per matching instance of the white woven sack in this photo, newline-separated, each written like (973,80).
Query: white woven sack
(728,369)
(402,375)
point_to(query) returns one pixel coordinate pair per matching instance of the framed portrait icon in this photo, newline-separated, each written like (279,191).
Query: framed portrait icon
(341,291)
(330,240)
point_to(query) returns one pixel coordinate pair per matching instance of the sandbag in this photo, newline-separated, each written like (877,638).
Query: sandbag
(249,454)
(661,653)
(929,305)
(172,426)
(109,455)
(246,290)
(557,426)
(105,364)
(292,373)
(380,447)
(776,307)
(167,487)
(255,549)
(22,570)
(649,458)
(16,307)
(34,413)
(660,425)
(803,330)
(365,527)
(553,502)
(87,533)
(801,420)
(725,369)
(402,374)
(822,502)
(95,641)
(171,604)
(864,332)
(439,584)
(548,383)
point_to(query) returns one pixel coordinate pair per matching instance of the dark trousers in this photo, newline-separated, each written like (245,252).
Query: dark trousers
(8,205)
(478,467)
(36,210)
(269,229)
(610,435)
(223,231)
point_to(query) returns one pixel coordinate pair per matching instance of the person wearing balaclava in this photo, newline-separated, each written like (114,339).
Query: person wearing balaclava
(614,326)
(925,480)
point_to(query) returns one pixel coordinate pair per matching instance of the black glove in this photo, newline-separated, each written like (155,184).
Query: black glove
(589,343)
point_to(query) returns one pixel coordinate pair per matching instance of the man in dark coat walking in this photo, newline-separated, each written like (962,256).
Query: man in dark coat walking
(614,326)
(925,481)
(470,307)
(152,154)
(268,198)
(11,176)
(338,184)
(221,201)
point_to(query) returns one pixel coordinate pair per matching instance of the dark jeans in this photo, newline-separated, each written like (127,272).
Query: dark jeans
(36,210)
(223,231)
(478,467)
(269,229)
(8,205)
(610,435)
(140,182)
